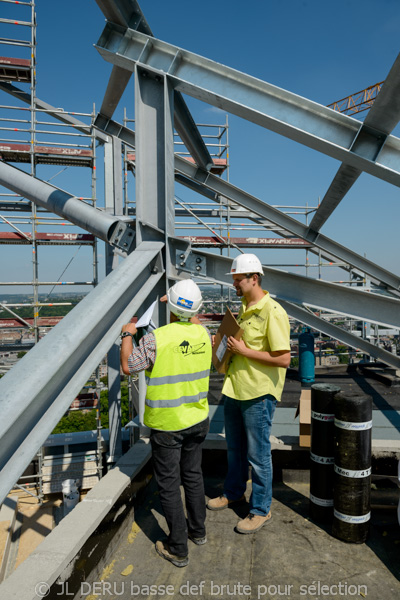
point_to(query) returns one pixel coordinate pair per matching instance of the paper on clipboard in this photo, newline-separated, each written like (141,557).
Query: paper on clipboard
(221,355)
(222,348)
(145,319)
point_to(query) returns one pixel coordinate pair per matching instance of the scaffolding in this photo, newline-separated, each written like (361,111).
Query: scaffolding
(33,136)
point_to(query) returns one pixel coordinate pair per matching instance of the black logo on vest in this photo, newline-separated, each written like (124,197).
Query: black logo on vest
(187,349)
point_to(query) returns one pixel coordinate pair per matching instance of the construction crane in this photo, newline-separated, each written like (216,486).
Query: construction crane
(358,102)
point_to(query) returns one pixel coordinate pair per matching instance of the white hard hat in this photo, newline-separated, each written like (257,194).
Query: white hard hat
(184,299)
(246,263)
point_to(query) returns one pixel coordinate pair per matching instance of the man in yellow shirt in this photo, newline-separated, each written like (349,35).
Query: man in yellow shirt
(252,387)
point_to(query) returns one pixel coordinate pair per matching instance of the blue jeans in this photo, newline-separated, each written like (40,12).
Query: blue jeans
(247,427)
(177,459)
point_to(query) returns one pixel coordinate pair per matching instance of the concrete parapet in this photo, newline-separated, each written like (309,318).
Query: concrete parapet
(55,558)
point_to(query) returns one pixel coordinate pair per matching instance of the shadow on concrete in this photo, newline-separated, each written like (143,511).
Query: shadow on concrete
(145,515)
(384,539)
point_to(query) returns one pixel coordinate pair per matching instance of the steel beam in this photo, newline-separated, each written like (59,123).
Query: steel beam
(154,107)
(211,186)
(257,206)
(385,111)
(116,86)
(292,116)
(155,215)
(341,184)
(301,290)
(127,13)
(111,229)
(335,332)
(190,135)
(38,390)
(381,120)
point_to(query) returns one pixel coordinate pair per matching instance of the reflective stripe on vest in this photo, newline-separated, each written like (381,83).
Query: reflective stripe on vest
(176,401)
(176,396)
(177,378)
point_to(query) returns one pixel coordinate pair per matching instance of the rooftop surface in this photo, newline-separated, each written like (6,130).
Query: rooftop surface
(292,551)
(291,557)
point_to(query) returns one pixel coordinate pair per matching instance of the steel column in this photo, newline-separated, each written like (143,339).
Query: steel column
(155,216)
(154,157)
(113,205)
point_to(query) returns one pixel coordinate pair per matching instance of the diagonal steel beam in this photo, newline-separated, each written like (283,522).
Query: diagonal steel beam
(116,86)
(385,111)
(127,13)
(297,118)
(41,386)
(212,186)
(255,205)
(111,229)
(189,134)
(341,184)
(335,332)
(383,118)
(301,290)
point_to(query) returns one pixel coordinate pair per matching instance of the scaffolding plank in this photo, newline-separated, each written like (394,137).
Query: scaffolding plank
(246,242)
(15,69)
(20,153)
(42,322)
(13,237)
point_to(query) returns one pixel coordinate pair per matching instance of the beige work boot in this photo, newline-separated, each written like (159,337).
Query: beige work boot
(252,523)
(222,502)
(163,550)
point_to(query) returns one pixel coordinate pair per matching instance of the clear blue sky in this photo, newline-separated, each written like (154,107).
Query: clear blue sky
(320,50)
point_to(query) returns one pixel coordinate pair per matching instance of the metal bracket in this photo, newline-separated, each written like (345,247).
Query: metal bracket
(157,265)
(158,233)
(122,236)
(192,263)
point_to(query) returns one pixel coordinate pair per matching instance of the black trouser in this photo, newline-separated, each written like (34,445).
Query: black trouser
(177,459)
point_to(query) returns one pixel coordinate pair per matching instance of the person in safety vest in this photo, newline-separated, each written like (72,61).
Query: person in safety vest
(177,360)
(252,386)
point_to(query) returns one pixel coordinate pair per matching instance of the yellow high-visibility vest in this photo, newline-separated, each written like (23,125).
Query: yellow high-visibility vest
(177,386)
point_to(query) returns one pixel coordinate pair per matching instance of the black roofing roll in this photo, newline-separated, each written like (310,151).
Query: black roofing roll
(322,451)
(352,469)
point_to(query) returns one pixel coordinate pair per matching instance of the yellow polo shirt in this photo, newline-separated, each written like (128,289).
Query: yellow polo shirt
(266,327)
